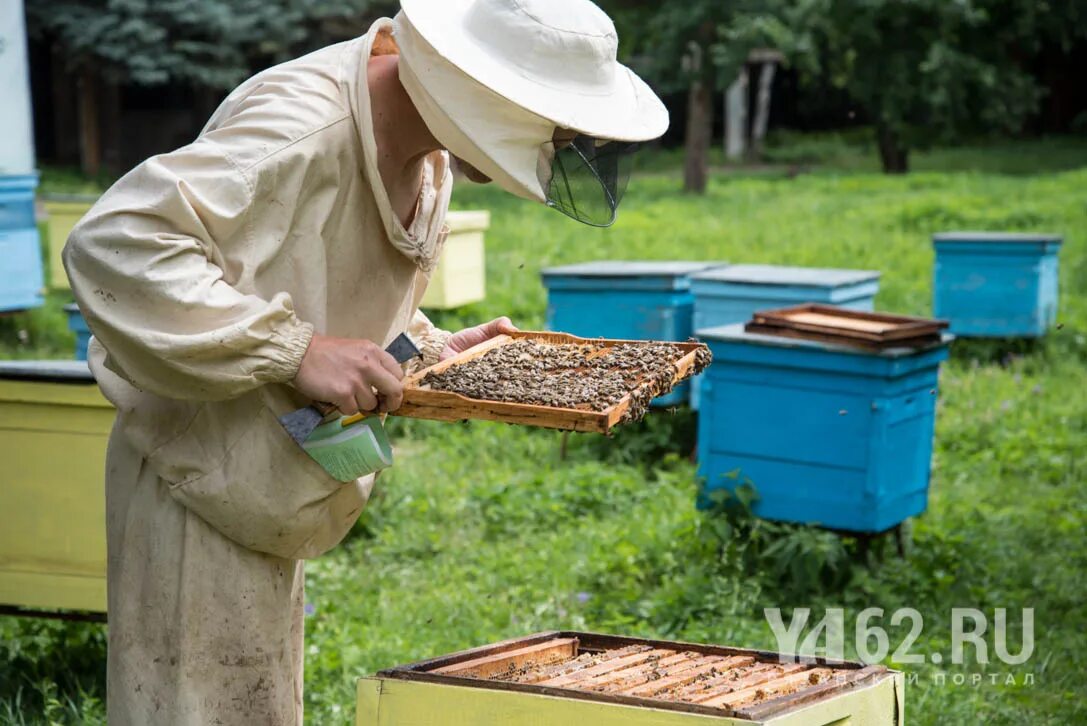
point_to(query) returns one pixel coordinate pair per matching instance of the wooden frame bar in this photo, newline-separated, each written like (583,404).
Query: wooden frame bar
(496,663)
(423,402)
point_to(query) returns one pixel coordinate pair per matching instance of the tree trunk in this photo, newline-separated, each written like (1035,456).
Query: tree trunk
(90,142)
(736,117)
(894,155)
(65,115)
(109,126)
(699,133)
(762,111)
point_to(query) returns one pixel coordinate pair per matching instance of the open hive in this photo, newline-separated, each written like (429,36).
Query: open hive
(552,380)
(736,685)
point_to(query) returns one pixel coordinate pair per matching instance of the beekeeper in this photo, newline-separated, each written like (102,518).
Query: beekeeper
(265,266)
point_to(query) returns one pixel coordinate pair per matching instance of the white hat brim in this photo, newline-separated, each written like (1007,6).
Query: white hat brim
(630,111)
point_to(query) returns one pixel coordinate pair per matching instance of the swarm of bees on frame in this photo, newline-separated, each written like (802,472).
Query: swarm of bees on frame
(589,376)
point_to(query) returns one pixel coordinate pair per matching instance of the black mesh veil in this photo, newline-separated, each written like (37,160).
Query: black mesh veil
(588,179)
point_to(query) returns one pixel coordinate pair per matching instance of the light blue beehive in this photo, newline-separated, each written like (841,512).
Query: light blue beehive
(996,285)
(733,294)
(643,300)
(21,274)
(78,325)
(827,434)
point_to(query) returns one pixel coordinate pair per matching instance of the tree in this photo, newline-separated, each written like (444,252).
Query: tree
(680,46)
(924,70)
(210,44)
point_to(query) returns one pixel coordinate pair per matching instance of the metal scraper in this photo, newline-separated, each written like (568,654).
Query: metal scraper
(301,423)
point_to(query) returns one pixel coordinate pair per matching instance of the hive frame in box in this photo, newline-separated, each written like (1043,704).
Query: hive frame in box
(426,403)
(430,689)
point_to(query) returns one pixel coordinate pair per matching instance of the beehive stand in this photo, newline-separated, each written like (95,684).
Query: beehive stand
(421,401)
(736,685)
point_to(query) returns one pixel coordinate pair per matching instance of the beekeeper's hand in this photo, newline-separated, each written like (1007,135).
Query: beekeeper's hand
(465,339)
(353,375)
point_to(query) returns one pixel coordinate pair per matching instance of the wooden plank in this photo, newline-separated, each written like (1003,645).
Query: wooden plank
(582,678)
(609,681)
(847,324)
(838,682)
(764,673)
(430,664)
(583,661)
(778,686)
(834,321)
(739,673)
(917,342)
(617,681)
(682,678)
(489,665)
(729,672)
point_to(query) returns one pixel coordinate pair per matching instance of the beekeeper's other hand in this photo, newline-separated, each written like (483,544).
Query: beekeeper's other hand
(465,339)
(353,375)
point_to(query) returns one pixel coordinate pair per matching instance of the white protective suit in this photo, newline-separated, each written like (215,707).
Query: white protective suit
(203,274)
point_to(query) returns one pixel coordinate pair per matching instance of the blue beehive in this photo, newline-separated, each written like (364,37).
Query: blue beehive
(827,434)
(21,275)
(733,294)
(646,300)
(78,325)
(996,285)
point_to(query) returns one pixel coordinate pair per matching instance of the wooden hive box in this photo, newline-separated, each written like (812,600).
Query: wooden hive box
(996,285)
(460,277)
(635,300)
(560,678)
(54,426)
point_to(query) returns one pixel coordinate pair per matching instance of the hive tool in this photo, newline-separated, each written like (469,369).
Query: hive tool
(301,423)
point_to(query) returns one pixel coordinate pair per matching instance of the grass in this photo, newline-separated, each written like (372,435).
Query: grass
(481,532)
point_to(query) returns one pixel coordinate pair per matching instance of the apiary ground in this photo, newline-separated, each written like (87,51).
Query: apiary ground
(591,377)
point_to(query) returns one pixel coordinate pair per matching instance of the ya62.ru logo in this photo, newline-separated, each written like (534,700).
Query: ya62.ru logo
(970,628)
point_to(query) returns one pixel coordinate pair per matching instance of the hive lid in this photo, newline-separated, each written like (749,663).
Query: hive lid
(998,237)
(46,370)
(736,332)
(782,275)
(631,268)
(873,331)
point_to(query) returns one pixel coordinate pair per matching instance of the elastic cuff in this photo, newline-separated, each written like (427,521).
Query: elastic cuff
(291,341)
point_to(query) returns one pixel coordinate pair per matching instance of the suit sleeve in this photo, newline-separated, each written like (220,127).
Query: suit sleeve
(146,271)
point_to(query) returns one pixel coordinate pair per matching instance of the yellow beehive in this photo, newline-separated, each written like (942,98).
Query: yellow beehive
(460,277)
(54,425)
(64,213)
(561,678)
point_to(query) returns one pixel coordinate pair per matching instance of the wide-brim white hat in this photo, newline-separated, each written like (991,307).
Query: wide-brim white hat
(555,58)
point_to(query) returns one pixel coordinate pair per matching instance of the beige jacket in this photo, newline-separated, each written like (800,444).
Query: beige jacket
(203,274)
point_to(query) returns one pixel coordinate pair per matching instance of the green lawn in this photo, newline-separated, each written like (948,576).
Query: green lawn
(481,532)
